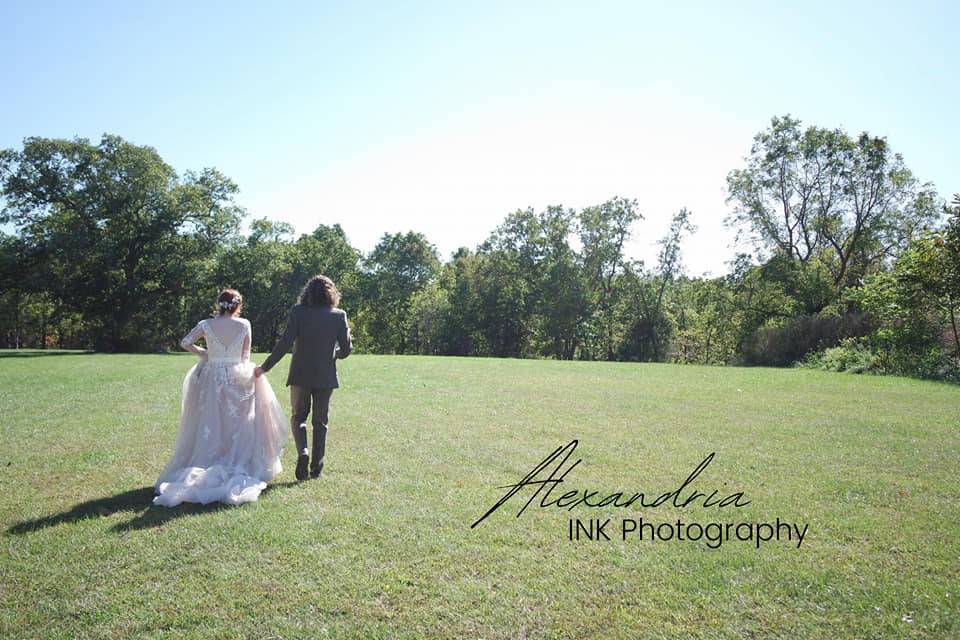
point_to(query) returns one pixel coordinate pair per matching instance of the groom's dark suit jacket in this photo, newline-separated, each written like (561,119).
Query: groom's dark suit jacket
(319,335)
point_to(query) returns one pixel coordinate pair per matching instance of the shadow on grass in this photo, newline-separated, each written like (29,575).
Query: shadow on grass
(155,516)
(40,353)
(138,501)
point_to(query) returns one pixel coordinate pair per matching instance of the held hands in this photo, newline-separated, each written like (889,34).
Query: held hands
(258,371)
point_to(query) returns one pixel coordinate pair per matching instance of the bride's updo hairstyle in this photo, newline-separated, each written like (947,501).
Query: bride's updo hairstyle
(228,301)
(320,291)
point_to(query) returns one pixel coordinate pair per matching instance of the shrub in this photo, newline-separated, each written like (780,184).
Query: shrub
(791,340)
(851,355)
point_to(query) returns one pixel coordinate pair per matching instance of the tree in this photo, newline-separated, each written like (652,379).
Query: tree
(508,280)
(17,282)
(648,331)
(819,194)
(460,334)
(398,267)
(928,273)
(604,230)
(562,303)
(260,268)
(528,285)
(118,231)
(428,319)
(706,321)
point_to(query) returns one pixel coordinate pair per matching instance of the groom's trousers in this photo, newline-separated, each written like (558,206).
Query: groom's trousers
(300,400)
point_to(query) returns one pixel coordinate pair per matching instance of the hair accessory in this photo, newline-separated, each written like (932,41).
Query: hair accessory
(226,304)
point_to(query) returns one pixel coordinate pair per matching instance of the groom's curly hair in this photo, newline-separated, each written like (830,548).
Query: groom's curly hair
(318,291)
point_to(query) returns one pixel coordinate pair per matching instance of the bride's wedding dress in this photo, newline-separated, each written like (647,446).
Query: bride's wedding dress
(232,428)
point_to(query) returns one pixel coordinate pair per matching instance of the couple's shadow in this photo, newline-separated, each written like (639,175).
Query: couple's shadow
(138,501)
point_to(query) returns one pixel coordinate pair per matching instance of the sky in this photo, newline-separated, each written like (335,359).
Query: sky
(444,117)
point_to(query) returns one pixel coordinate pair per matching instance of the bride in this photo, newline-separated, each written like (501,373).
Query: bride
(232,428)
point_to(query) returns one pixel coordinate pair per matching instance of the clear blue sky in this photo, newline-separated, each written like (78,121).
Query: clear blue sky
(443,117)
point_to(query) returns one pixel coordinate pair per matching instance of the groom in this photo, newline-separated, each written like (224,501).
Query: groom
(319,334)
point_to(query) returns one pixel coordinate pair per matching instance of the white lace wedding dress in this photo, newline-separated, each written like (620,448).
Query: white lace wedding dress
(232,428)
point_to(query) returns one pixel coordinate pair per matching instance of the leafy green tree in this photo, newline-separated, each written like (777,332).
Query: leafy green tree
(398,267)
(821,195)
(119,231)
(16,285)
(528,285)
(460,333)
(928,273)
(507,284)
(504,304)
(428,320)
(604,230)
(706,321)
(562,303)
(648,325)
(260,268)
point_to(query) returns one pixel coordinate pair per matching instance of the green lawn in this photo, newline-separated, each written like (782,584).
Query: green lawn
(418,446)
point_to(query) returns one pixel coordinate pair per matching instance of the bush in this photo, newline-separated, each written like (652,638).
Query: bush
(859,355)
(851,355)
(791,341)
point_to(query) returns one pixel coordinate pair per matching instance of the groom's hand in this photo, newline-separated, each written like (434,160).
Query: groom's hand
(258,371)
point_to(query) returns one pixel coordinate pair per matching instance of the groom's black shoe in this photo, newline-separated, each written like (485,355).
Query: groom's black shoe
(317,472)
(302,461)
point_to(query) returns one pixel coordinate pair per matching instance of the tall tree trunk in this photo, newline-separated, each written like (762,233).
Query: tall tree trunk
(18,323)
(956,336)
(58,324)
(608,312)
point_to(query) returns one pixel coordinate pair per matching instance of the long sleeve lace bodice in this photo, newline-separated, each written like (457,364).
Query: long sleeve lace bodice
(228,339)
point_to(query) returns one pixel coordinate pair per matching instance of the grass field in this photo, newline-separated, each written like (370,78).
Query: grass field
(418,446)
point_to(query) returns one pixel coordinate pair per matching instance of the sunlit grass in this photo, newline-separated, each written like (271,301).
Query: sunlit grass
(418,446)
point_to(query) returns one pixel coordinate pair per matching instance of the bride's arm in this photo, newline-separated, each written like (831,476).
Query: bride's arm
(189,340)
(245,350)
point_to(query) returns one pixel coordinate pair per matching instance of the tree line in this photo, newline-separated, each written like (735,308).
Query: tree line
(854,264)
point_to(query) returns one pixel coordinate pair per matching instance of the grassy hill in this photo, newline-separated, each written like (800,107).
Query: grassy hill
(420,448)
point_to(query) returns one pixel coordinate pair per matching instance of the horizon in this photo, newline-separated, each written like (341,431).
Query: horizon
(443,120)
